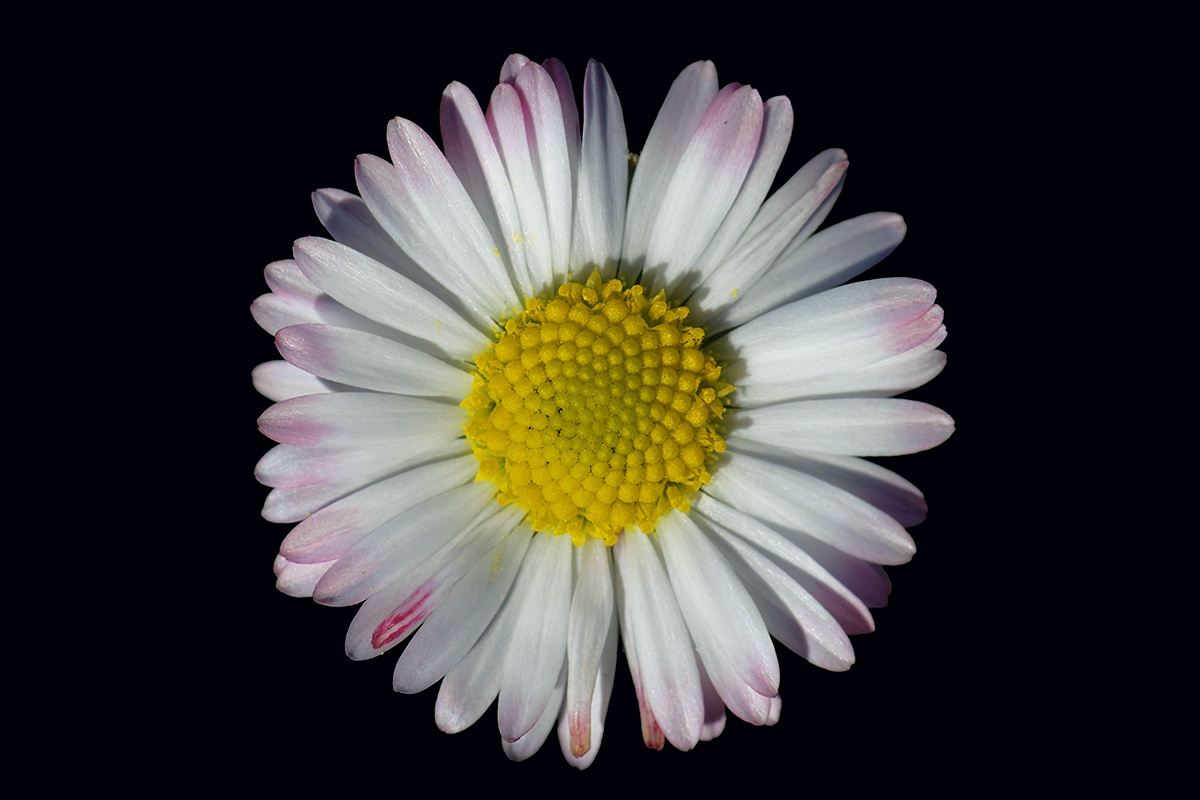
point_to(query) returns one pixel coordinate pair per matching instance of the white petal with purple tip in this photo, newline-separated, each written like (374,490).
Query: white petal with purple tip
(828,259)
(407,539)
(798,562)
(727,630)
(333,530)
(785,497)
(689,97)
(704,186)
(653,626)
(364,360)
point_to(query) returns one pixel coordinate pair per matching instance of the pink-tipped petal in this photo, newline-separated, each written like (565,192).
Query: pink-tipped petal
(725,626)
(707,181)
(828,259)
(687,101)
(784,497)
(330,532)
(778,119)
(368,361)
(592,608)
(798,562)
(755,254)
(353,419)
(671,699)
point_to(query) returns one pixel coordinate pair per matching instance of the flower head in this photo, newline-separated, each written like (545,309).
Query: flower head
(532,407)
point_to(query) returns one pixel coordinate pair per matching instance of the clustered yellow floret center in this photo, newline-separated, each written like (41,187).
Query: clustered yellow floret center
(596,410)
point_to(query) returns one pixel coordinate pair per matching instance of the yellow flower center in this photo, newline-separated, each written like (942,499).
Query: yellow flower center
(596,410)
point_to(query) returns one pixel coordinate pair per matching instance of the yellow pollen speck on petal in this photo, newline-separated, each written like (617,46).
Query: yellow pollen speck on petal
(596,410)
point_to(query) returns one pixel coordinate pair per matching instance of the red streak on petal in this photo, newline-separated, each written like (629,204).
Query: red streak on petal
(652,735)
(410,613)
(580,723)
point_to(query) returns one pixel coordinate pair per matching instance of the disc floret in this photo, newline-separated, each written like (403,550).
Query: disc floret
(596,410)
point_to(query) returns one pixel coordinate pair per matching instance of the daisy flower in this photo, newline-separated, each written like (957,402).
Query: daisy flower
(541,398)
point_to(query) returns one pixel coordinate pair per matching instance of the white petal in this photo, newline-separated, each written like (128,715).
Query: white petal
(603,177)
(592,608)
(704,186)
(653,627)
(309,478)
(828,259)
(532,741)
(843,329)
(472,684)
(455,626)
(570,111)
(725,625)
(473,154)
(333,530)
(367,361)
(551,160)
(279,380)
(433,219)
(848,426)
(677,121)
(776,131)
(295,300)
(404,541)
(421,228)
(350,222)
(512,65)
(287,466)
(417,587)
(540,637)
(285,278)
(892,376)
(776,708)
(714,708)
(776,227)
(384,295)
(797,561)
(298,580)
(809,177)
(348,419)
(880,487)
(506,121)
(786,498)
(572,736)
(792,615)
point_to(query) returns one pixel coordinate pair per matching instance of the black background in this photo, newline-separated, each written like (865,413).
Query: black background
(275,113)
